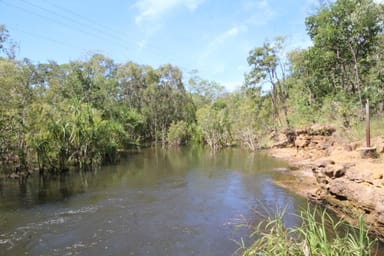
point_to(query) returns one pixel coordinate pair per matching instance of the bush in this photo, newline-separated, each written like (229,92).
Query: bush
(177,133)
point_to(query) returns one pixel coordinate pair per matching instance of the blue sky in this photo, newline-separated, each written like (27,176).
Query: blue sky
(211,36)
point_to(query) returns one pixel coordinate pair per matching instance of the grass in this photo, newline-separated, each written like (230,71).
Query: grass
(357,131)
(317,235)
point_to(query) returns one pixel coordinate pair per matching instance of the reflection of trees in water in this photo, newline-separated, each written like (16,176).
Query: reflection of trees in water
(1,189)
(22,189)
(147,168)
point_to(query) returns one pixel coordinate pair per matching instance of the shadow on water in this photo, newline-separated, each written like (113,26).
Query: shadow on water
(180,201)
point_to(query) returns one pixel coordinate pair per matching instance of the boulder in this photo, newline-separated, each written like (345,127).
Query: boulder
(323,130)
(379,144)
(368,152)
(334,172)
(302,141)
(324,163)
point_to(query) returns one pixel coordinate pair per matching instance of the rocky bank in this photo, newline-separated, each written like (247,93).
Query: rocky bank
(335,173)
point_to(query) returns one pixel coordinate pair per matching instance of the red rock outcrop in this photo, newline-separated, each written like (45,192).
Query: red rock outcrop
(341,179)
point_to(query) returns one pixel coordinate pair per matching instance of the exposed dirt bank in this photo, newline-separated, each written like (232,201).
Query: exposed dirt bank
(335,173)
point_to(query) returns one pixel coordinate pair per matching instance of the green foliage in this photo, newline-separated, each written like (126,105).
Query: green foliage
(196,134)
(15,98)
(318,234)
(267,65)
(251,118)
(164,101)
(84,112)
(7,46)
(304,111)
(344,35)
(214,124)
(177,133)
(74,134)
(203,91)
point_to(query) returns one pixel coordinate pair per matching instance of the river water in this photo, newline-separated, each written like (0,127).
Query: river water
(154,202)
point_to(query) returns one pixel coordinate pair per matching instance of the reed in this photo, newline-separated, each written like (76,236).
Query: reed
(318,234)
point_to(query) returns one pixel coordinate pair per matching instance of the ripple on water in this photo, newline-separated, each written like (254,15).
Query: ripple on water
(82,210)
(27,232)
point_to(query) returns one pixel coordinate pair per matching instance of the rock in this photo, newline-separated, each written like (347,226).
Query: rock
(302,141)
(339,172)
(290,135)
(329,172)
(379,144)
(347,147)
(324,163)
(348,165)
(368,152)
(301,132)
(347,188)
(334,172)
(355,145)
(281,144)
(322,179)
(325,146)
(380,214)
(283,139)
(361,195)
(377,176)
(323,130)
(339,189)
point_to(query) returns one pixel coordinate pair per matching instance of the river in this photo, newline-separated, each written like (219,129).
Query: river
(183,201)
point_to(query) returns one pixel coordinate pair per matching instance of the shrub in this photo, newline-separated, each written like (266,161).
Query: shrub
(177,133)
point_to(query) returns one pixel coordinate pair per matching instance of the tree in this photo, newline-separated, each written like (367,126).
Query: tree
(166,101)
(267,65)
(214,124)
(15,99)
(344,35)
(7,45)
(203,91)
(177,133)
(132,80)
(251,117)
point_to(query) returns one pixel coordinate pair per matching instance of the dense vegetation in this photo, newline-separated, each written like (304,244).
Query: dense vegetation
(81,114)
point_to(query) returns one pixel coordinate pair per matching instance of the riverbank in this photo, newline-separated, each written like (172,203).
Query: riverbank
(328,170)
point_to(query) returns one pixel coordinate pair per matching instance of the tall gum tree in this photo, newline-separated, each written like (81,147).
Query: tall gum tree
(346,32)
(267,66)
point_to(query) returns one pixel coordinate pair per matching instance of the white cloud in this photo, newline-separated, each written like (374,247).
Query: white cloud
(260,12)
(218,41)
(153,9)
(142,44)
(231,32)
(218,65)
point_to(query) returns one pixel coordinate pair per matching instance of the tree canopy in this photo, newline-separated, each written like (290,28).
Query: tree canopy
(54,117)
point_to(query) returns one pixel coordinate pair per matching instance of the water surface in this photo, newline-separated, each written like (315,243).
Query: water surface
(154,202)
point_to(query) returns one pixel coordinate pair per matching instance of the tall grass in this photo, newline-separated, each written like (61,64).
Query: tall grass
(317,235)
(357,131)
